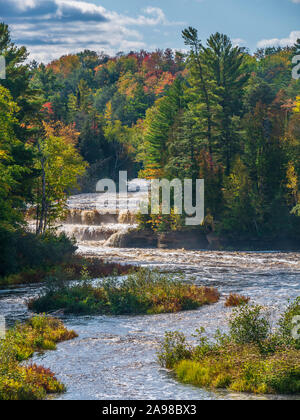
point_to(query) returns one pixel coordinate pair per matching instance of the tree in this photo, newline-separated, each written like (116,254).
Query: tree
(159,129)
(13,170)
(202,92)
(239,215)
(60,165)
(227,64)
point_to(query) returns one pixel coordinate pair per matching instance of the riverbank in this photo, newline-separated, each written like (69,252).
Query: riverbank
(73,269)
(197,239)
(30,382)
(250,358)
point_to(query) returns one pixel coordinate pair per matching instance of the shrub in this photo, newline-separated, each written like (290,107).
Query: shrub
(238,361)
(249,325)
(234,300)
(71,269)
(32,382)
(20,249)
(288,325)
(141,292)
(174,349)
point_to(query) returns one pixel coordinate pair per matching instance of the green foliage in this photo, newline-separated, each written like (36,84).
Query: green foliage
(249,359)
(60,166)
(160,222)
(24,250)
(174,349)
(249,325)
(159,129)
(30,382)
(142,292)
(289,323)
(13,170)
(218,113)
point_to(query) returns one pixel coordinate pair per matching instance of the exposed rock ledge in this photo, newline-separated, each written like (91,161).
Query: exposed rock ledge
(133,239)
(169,240)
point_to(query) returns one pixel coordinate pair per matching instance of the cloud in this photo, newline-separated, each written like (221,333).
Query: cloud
(239,42)
(281,42)
(51,28)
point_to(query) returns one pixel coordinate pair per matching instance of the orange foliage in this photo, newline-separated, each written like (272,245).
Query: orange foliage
(67,132)
(65,65)
(166,79)
(236,300)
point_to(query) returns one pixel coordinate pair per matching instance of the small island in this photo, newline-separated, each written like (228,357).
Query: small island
(141,292)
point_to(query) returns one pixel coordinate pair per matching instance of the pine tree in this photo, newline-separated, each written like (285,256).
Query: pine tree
(159,130)
(203,95)
(226,63)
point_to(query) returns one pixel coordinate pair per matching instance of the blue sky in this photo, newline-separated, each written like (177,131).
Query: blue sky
(50,28)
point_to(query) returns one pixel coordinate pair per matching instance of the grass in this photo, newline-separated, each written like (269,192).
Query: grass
(70,270)
(251,358)
(234,300)
(141,292)
(30,382)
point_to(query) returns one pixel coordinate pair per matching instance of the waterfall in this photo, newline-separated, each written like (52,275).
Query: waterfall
(89,220)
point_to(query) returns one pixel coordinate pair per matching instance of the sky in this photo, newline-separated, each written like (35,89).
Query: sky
(51,28)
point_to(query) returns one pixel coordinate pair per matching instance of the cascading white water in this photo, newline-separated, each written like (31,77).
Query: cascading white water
(94,218)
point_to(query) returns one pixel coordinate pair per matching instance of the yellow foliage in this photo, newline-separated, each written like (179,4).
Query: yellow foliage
(292,177)
(297,105)
(108,112)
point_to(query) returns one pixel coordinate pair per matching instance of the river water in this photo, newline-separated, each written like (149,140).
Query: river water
(115,357)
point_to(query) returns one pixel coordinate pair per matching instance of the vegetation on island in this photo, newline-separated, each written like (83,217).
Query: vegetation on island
(235,299)
(29,381)
(251,358)
(141,292)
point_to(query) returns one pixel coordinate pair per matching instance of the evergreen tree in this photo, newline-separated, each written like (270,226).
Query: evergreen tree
(203,94)
(159,130)
(227,66)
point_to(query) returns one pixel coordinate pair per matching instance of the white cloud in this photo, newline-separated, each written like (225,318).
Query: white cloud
(51,28)
(281,42)
(239,42)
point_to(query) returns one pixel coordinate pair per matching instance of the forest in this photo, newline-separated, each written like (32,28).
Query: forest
(216,112)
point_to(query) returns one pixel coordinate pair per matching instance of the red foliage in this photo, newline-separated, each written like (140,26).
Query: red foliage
(48,108)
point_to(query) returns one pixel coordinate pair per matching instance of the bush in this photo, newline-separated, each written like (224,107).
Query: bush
(249,359)
(142,292)
(21,250)
(234,300)
(249,325)
(71,269)
(288,324)
(174,349)
(32,382)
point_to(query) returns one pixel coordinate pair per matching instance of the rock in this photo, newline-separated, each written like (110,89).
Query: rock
(214,241)
(189,240)
(132,239)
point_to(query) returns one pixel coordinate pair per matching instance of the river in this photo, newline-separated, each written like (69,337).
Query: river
(115,357)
